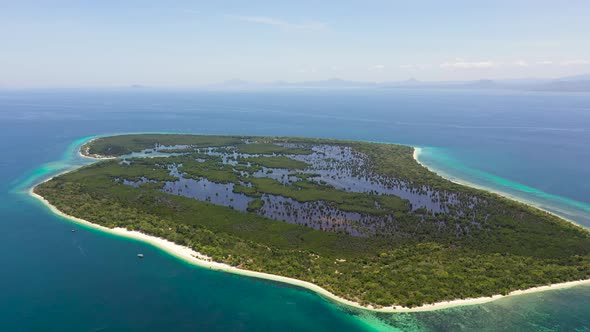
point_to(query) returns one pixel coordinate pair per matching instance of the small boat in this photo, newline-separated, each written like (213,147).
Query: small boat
(73,230)
(139,255)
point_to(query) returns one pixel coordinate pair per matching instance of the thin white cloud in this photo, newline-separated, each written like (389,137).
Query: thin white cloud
(521,63)
(376,67)
(575,62)
(421,66)
(279,23)
(488,64)
(460,64)
(306,70)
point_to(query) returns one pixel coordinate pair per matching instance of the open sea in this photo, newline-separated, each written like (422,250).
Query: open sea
(531,146)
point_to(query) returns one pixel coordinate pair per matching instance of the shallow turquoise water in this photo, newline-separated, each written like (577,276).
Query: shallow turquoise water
(533,146)
(451,168)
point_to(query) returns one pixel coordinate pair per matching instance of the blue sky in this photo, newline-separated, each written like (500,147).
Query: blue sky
(190,43)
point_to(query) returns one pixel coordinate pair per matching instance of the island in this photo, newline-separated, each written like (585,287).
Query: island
(364,223)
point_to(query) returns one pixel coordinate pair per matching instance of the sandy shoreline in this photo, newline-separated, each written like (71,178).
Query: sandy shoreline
(87,154)
(198,259)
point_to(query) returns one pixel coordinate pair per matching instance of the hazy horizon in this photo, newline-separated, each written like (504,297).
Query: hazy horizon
(191,44)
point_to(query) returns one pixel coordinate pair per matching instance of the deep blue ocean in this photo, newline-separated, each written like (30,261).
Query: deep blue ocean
(531,146)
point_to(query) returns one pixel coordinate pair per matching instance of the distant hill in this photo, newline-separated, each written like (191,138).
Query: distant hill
(565,86)
(585,77)
(578,83)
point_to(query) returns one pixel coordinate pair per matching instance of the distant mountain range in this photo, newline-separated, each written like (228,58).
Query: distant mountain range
(578,83)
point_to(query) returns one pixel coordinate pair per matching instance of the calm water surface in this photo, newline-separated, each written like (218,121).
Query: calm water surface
(533,146)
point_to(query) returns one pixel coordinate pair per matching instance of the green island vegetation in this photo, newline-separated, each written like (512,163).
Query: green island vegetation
(365,221)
